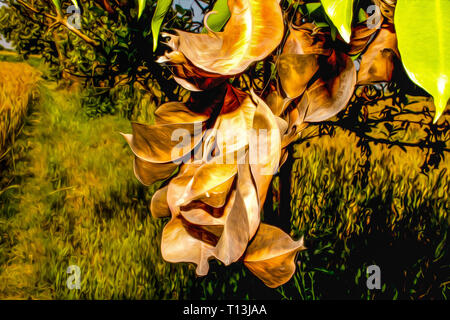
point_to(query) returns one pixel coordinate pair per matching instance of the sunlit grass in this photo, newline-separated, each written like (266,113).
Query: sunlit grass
(78,203)
(17,86)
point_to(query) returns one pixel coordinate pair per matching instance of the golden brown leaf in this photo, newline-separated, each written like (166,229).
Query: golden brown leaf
(179,245)
(158,206)
(148,172)
(247,37)
(164,143)
(264,148)
(271,254)
(328,96)
(377,63)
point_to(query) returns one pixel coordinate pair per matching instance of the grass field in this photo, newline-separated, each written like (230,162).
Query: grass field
(73,201)
(17,86)
(70,198)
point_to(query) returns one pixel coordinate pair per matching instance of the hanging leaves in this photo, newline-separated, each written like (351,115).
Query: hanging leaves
(424,44)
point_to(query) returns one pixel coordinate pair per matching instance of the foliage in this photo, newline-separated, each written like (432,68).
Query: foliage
(396,217)
(112,49)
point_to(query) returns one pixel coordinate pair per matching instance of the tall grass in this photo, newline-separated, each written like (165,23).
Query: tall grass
(398,219)
(78,203)
(17,85)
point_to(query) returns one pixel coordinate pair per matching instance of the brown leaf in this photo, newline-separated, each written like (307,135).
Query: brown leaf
(377,63)
(387,8)
(179,245)
(177,113)
(247,37)
(361,35)
(271,255)
(158,206)
(148,172)
(164,143)
(295,71)
(264,148)
(330,93)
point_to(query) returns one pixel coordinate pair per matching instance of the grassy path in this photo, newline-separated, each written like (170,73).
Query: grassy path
(74,201)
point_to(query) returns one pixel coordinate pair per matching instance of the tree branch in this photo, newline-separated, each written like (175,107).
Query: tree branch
(63,21)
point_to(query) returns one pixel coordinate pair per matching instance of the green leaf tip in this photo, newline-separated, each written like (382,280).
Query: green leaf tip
(423,34)
(162,7)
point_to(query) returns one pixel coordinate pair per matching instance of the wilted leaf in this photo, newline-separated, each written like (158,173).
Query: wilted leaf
(247,37)
(327,97)
(387,8)
(158,206)
(264,148)
(377,63)
(180,244)
(148,172)
(164,143)
(270,256)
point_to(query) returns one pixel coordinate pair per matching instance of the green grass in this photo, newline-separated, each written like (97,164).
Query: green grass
(74,201)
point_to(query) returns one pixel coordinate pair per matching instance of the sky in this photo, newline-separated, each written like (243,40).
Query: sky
(193,5)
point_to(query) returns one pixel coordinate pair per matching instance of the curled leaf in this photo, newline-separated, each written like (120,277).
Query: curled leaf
(271,254)
(330,93)
(181,242)
(387,8)
(158,206)
(148,172)
(377,63)
(247,37)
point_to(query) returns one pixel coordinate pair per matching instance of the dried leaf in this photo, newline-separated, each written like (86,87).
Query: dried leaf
(377,63)
(247,37)
(271,255)
(158,206)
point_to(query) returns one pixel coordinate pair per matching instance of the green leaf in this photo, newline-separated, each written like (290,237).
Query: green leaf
(311,7)
(217,20)
(141,7)
(57,5)
(362,16)
(75,3)
(162,8)
(341,13)
(423,34)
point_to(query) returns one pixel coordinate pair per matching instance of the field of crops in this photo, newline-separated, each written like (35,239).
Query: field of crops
(70,198)
(17,86)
